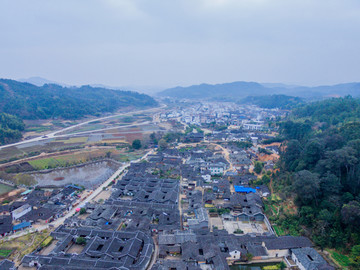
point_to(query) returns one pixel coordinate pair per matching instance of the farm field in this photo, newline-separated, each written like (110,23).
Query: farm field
(73,158)
(128,156)
(4,253)
(74,140)
(5,189)
(38,129)
(89,127)
(54,152)
(9,152)
(83,156)
(340,259)
(23,245)
(35,128)
(279,231)
(113,122)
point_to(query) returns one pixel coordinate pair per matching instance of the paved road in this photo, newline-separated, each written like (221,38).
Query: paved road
(103,129)
(155,255)
(54,133)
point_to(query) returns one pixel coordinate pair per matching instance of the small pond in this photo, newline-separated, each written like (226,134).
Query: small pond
(89,175)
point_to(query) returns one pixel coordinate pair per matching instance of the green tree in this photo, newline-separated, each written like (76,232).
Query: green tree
(307,186)
(307,215)
(24,179)
(258,166)
(313,152)
(292,154)
(295,130)
(136,144)
(163,144)
(249,256)
(282,265)
(81,241)
(265,179)
(153,138)
(350,214)
(355,256)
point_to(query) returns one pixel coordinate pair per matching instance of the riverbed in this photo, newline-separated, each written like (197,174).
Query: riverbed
(89,175)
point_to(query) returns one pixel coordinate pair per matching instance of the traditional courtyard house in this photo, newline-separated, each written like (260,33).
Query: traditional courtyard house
(309,259)
(281,246)
(201,220)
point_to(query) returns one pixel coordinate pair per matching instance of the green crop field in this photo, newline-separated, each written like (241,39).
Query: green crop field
(38,128)
(88,127)
(5,252)
(5,189)
(77,140)
(279,231)
(46,163)
(10,152)
(341,259)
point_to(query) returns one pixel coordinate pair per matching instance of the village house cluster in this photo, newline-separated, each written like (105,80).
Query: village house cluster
(195,204)
(249,117)
(181,208)
(37,207)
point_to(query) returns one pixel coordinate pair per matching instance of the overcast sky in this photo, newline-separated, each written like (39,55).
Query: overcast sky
(171,42)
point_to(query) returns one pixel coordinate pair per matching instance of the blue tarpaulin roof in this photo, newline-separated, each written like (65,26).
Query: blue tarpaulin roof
(242,189)
(21,226)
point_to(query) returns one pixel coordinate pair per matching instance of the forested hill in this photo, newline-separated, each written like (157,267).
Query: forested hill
(273,101)
(236,91)
(10,128)
(28,101)
(320,165)
(331,111)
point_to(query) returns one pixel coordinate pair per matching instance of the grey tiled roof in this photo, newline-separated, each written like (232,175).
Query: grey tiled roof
(288,242)
(310,259)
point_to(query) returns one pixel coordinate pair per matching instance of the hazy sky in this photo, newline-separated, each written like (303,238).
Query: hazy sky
(173,42)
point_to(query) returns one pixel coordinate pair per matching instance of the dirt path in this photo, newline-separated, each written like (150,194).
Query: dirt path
(155,254)
(226,155)
(271,186)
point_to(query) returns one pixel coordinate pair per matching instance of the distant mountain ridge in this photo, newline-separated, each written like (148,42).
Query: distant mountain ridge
(273,101)
(39,81)
(238,90)
(29,101)
(146,89)
(214,90)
